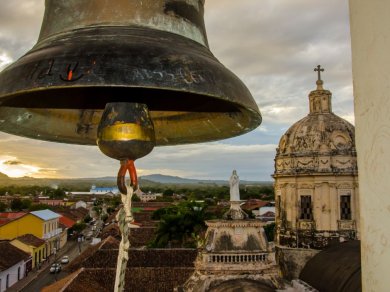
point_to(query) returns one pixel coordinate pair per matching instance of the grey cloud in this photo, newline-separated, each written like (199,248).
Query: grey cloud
(12,162)
(272,45)
(19,25)
(215,160)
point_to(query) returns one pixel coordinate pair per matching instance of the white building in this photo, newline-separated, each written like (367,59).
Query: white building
(104,190)
(146,197)
(12,265)
(80,204)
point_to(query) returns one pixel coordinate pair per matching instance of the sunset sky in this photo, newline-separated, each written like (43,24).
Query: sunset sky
(272,45)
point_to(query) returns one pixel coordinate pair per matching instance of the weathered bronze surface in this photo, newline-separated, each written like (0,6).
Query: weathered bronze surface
(125,131)
(154,52)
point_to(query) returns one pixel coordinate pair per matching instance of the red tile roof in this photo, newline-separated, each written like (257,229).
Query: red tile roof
(147,270)
(66,221)
(150,209)
(136,279)
(254,204)
(11,215)
(74,214)
(6,217)
(30,239)
(10,255)
(268,214)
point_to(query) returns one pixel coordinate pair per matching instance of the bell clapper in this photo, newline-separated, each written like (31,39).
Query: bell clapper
(125,133)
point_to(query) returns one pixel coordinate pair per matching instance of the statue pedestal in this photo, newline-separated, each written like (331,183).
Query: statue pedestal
(235,252)
(235,212)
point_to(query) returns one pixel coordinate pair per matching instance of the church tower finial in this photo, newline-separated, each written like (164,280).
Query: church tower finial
(319,82)
(320,99)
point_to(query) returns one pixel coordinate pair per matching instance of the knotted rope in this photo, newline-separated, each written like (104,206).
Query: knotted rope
(124,218)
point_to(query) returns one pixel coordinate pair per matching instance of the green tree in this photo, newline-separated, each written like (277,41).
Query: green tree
(77,228)
(26,203)
(168,192)
(16,204)
(135,198)
(57,193)
(87,219)
(115,201)
(164,199)
(180,225)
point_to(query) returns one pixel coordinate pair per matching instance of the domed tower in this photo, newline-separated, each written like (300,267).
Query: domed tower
(316,178)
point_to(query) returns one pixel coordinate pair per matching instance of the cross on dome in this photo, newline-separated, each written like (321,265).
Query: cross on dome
(319,82)
(319,70)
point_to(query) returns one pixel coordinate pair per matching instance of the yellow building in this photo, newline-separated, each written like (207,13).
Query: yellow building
(42,224)
(31,245)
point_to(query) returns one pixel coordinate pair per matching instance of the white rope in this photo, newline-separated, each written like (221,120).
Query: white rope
(124,218)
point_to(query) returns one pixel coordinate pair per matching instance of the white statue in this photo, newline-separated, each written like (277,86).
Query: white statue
(234,187)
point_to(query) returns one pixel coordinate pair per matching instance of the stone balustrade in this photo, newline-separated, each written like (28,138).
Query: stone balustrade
(236,258)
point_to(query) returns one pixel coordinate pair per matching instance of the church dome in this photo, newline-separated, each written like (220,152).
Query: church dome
(321,142)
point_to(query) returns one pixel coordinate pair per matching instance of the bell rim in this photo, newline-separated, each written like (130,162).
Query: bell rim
(228,89)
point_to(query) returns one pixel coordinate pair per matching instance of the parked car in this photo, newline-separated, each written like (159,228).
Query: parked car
(65,260)
(55,268)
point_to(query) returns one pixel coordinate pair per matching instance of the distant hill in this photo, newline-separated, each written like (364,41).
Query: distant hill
(168,179)
(3,176)
(86,183)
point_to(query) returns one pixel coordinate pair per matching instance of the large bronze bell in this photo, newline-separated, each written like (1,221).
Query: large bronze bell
(153,52)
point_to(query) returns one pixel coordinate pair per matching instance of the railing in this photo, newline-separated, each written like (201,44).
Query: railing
(306,224)
(346,224)
(236,258)
(52,233)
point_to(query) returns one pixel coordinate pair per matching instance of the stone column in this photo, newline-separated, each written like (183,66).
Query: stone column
(289,204)
(317,205)
(356,217)
(325,207)
(295,208)
(333,206)
(370,22)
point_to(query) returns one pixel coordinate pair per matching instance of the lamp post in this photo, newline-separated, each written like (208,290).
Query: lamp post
(79,239)
(55,253)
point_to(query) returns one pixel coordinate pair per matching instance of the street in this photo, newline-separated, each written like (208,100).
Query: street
(45,278)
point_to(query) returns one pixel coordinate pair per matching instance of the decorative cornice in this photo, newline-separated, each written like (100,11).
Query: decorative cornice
(234,223)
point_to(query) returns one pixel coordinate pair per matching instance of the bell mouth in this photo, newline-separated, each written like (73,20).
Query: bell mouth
(77,126)
(65,81)
(96,97)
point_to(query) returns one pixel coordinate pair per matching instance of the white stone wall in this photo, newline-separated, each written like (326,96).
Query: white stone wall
(370,34)
(13,275)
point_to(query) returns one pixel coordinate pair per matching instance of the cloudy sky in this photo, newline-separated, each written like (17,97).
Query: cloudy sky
(272,45)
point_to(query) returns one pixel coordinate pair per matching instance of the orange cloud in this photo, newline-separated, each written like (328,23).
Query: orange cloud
(14,168)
